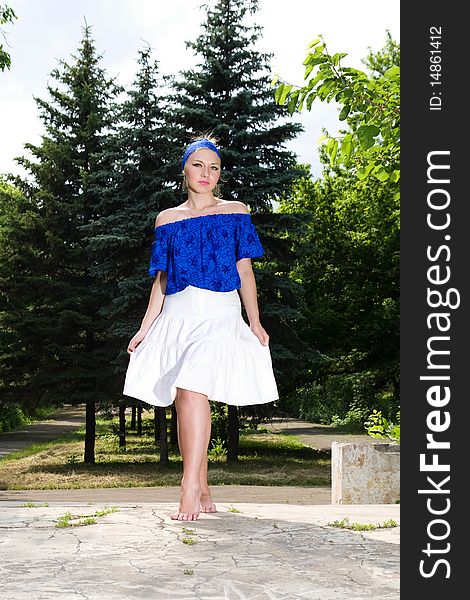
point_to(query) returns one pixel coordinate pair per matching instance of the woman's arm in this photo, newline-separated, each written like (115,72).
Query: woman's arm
(157,296)
(249,297)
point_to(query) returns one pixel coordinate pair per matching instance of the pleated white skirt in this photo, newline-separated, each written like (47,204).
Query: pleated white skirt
(201,342)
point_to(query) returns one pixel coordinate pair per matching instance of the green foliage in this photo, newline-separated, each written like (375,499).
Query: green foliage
(132,183)
(370,106)
(314,403)
(218,449)
(7,15)
(378,62)
(379,427)
(352,422)
(55,336)
(342,400)
(348,267)
(12,416)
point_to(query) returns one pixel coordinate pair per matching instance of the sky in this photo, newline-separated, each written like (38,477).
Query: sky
(49,30)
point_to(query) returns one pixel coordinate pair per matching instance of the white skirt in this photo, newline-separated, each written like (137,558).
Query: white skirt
(201,342)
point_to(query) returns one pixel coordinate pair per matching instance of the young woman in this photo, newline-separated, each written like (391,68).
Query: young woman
(193,344)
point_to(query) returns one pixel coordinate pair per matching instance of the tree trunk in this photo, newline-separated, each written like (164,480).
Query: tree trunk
(122,424)
(90,429)
(163,437)
(90,411)
(139,418)
(233,434)
(156,426)
(133,416)
(174,426)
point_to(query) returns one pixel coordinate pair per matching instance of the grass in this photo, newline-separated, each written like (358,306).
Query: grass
(188,537)
(265,458)
(70,520)
(189,541)
(346,524)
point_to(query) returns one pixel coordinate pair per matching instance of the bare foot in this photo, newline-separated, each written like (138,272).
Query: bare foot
(207,505)
(189,504)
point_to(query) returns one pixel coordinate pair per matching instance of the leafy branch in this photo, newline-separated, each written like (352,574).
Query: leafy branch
(7,15)
(378,426)
(370,106)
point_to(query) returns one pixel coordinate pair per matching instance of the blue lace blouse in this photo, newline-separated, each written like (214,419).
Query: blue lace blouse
(202,251)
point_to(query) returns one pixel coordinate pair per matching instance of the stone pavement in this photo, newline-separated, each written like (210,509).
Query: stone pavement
(220,493)
(260,552)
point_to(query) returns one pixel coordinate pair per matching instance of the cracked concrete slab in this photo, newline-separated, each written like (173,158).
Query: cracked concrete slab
(262,552)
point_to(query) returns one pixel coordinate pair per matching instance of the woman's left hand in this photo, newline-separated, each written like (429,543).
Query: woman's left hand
(260,333)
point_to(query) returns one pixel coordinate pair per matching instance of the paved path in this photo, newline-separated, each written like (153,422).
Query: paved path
(220,493)
(62,421)
(262,552)
(317,436)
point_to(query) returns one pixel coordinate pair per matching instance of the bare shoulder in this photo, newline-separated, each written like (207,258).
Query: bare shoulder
(235,206)
(169,215)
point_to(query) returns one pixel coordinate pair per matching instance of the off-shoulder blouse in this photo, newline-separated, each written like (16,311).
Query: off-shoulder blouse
(203,251)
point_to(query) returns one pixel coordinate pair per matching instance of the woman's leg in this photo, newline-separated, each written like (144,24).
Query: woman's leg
(206,499)
(194,421)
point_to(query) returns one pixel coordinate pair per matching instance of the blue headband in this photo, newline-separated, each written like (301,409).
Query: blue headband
(195,146)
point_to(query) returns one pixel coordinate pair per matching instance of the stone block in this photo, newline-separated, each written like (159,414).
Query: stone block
(365,473)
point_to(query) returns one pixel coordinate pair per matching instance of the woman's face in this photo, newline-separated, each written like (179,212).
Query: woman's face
(202,170)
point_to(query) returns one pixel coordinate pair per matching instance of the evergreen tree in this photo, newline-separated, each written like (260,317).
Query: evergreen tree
(229,94)
(18,243)
(133,183)
(54,316)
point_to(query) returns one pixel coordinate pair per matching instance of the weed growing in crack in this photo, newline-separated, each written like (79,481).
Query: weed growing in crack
(65,520)
(346,524)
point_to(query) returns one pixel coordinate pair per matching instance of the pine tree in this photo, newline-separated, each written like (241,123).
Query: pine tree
(18,243)
(57,322)
(230,94)
(133,183)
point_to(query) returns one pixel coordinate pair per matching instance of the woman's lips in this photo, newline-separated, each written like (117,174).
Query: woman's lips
(204,182)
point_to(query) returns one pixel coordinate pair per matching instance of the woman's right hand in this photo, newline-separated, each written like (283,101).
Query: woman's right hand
(135,341)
